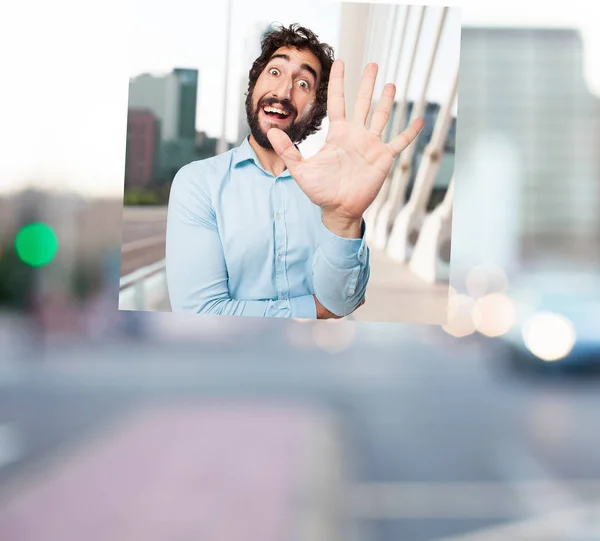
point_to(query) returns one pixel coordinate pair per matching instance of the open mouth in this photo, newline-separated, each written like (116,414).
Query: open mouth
(275,113)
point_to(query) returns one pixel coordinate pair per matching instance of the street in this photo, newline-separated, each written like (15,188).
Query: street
(433,445)
(143,237)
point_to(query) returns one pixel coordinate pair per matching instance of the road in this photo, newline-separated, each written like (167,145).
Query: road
(143,237)
(435,446)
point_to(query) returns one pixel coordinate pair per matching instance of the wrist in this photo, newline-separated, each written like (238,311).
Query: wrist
(320,309)
(322,312)
(342,226)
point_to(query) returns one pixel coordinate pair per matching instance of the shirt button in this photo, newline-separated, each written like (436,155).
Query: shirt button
(278,216)
(351,292)
(279,257)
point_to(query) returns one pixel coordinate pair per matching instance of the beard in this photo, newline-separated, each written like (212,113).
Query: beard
(297,131)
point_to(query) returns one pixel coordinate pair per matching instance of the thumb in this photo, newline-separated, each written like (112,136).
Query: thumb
(284,148)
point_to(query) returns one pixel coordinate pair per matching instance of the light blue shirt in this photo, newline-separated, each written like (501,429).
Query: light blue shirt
(241,241)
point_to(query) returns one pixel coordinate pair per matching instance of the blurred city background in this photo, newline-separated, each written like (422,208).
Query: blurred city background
(125,424)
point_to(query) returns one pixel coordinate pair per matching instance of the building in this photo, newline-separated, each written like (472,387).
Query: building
(159,94)
(143,140)
(187,102)
(523,102)
(174,155)
(172,99)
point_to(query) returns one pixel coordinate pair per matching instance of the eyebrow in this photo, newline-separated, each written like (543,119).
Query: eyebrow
(304,66)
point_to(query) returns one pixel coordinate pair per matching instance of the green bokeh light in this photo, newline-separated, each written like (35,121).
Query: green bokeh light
(36,244)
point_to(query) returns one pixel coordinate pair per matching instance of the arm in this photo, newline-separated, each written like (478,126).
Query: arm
(195,263)
(323,313)
(341,268)
(344,178)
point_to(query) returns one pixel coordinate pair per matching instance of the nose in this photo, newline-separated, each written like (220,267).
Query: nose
(283,90)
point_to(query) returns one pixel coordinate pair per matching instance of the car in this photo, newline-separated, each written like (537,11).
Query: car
(556,328)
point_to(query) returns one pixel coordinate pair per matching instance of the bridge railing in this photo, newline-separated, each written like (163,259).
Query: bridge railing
(144,289)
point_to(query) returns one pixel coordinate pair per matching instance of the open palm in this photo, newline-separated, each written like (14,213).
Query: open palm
(346,175)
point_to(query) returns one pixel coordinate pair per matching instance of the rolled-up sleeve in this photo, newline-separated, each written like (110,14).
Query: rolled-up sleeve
(340,271)
(195,263)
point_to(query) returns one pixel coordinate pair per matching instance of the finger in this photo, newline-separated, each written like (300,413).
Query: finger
(383,109)
(362,104)
(400,142)
(336,101)
(284,148)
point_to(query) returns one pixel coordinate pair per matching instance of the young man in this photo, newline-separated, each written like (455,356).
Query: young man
(259,230)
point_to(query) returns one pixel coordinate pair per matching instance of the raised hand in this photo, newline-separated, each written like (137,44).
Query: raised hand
(346,175)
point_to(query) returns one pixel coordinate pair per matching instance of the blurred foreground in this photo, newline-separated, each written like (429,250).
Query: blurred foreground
(280,429)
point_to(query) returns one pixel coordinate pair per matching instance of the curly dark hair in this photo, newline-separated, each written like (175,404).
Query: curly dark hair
(301,38)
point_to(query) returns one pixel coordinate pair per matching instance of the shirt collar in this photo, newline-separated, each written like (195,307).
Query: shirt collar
(245,152)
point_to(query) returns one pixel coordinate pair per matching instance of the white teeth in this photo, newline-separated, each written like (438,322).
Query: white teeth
(274,110)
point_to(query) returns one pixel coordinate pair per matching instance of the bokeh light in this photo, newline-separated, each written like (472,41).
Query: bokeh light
(334,336)
(482,280)
(460,316)
(36,244)
(549,336)
(300,336)
(494,314)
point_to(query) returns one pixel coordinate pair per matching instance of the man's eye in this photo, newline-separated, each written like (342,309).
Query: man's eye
(274,71)
(304,84)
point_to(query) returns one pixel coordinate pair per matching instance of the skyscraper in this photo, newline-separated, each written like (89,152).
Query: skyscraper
(525,86)
(172,98)
(188,96)
(143,138)
(159,94)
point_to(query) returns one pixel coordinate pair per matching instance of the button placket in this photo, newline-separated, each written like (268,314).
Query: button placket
(285,289)
(280,241)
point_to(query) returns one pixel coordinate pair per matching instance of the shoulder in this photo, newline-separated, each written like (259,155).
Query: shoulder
(201,172)
(203,177)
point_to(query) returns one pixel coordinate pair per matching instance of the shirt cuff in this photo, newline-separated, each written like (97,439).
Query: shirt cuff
(342,252)
(303,307)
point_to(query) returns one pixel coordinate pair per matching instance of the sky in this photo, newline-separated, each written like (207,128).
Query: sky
(64,100)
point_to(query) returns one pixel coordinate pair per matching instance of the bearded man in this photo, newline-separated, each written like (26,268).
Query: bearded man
(261,231)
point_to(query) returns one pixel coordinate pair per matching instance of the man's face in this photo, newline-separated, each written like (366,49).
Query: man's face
(284,95)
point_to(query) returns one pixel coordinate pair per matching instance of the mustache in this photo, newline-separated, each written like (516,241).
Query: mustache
(286,105)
